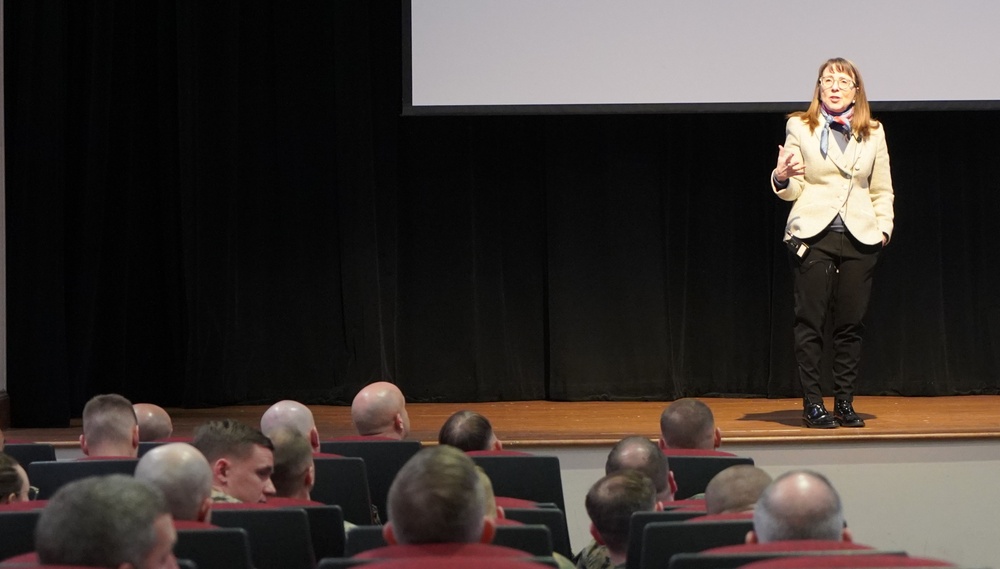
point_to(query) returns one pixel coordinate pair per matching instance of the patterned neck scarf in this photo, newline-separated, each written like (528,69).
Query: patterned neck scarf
(829,117)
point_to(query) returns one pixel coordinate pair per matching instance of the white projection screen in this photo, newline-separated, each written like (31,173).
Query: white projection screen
(565,56)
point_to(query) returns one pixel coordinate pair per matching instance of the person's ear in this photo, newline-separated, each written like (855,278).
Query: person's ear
(397,424)
(135,437)
(220,469)
(205,511)
(497,445)
(389,534)
(501,515)
(662,444)
(718,437)
(9,498)
(489,530)
(596,534)
(658,506)
(314,439)
(847,535)
(83,445)
(310,479)
(672,482)
(751,537)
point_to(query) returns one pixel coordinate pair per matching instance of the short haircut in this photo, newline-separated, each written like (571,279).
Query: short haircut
(181,473)
(688,423)
(100,521)
(735,489)
(108,419)
(227,438)
(642,454)
(611,502)
(437,497)
(467,430)
(292,458)
(818,515)
(10,479)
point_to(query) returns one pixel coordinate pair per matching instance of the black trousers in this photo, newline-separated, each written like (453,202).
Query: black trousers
(835,278)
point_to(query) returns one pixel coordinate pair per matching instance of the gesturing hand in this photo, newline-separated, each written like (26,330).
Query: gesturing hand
(789,164)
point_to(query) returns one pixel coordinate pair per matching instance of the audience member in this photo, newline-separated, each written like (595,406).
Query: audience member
(294,471)
(14,485)
(798,505)
(154,422)
(640,453)
(184,477)
(294,415)
(110,428)
(469,431)
(610,504)
(379,412)
(242,460)
(114,521)
(437,497)
(689,424)
(735,490)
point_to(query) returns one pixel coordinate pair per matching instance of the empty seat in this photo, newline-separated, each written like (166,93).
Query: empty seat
(49,476)
(218,548)
(383,459)
(279,538)
(535,478)
(551,517)
(344,482)
(659,541)
(693,473)
(17,532)
(26,453)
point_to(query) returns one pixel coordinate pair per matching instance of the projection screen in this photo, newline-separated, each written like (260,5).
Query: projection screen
(539,56)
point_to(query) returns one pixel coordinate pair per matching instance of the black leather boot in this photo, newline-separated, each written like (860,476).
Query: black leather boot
(843,410)
(816,416)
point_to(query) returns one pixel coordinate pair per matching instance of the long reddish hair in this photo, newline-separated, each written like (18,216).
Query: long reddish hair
(862,122)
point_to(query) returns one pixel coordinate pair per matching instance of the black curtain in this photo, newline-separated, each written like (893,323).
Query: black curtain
(219,203)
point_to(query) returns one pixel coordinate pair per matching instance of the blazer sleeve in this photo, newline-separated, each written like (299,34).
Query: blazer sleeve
(793,132)
(880,187)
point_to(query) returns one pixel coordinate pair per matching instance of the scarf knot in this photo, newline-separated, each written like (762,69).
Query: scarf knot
(842,120)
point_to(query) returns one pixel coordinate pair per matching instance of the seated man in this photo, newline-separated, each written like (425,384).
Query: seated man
(14,486)
(294,470)
(469,431)
(688,424)
(294,415)
(437,506)
(154,422)
(113,521)
(379,412)
(242,460)
(641,455)
(799,505)
(181,472)
(110,428)
(610,503)
(735,490)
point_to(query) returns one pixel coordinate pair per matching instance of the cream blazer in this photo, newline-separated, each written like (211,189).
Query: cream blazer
(855,183)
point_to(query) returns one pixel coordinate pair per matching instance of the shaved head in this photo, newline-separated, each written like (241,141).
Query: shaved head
(380,409)
(800,504)
(293,415)
(735,489)
(154,422)
(184,476)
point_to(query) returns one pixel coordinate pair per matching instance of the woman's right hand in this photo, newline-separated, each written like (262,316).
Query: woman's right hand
(789,164)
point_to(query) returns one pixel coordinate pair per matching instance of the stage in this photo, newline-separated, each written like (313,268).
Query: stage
(527,424)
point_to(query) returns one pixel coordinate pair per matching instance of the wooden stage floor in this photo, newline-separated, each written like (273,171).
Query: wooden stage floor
(522,424)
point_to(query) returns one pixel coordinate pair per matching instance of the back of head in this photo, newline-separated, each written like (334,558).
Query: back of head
(292,460)
(468,431)
(228,439)
(13,480)
(154,422)
(611,502)
(102,521)
(182,474)
(689,424)
(380,409)
(437,497)
(800,504)
(642,454)
(109,425)
(735,489)
(287,414)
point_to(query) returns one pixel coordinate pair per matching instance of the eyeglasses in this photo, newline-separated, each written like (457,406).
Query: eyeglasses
(844,83)
(32,493)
